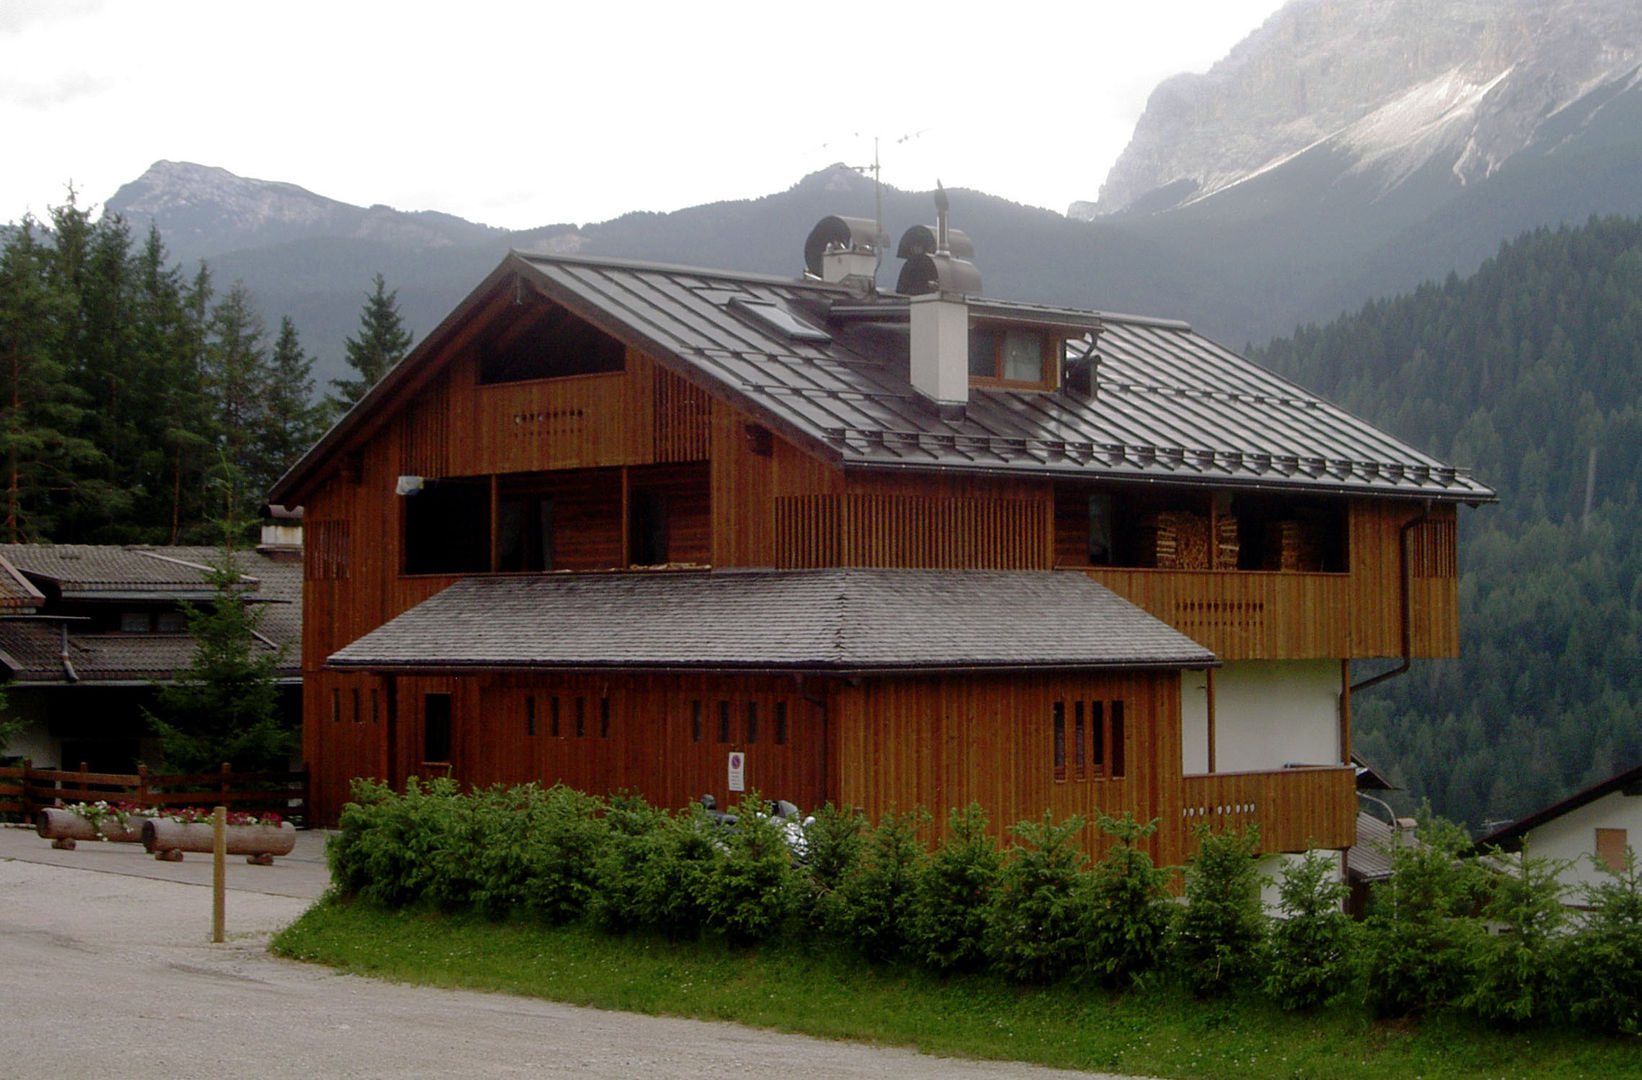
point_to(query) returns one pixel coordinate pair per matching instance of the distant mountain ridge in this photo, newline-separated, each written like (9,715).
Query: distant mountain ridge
(206,211)
(1393,85)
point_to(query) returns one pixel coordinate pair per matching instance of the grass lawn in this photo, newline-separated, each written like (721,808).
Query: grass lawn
(823,992)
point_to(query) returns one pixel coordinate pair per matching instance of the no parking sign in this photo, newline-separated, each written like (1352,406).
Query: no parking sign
(738,772)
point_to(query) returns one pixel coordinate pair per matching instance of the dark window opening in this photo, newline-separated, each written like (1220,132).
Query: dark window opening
(752,722)
(1097,752)
(581,718)
(336,705)
(553,716)
(647,528)
(1182,531)
(695,721)
(447,528)
(524,532)
(604,718)
(781,723)
(530,714)
(436,729)
(1060,740)
(1078,758)
(376,713)
(554,345)
(1117,739)
(358,714)
(724,721)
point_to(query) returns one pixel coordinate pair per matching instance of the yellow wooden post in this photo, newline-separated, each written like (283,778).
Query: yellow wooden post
(219,869)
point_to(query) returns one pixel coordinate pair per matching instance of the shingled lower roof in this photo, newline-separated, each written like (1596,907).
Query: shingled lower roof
(836,621)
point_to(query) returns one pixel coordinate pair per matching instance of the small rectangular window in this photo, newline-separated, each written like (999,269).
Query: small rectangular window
(376,712)
(1060,740)
(781,723)
(695,720)
(553,716)
(581,718)
(604,718)
(436,729)
(1117,739)
(1078,758)
(530,714)
(358,716)
(724,721)
(1097,737)
(752,722)
(336,705)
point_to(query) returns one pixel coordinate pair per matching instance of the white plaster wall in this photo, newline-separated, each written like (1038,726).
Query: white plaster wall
(1273,867)
(1267,714)
(1573,837)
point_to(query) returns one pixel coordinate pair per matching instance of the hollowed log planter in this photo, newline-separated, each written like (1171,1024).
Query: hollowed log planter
(167,840)
(64,827)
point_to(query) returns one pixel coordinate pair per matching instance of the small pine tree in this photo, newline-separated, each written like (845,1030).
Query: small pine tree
(1220,937)
(224,707)
(383,341)
(1129,911)
(1519,971)
(1039,914)
(1310,960)
(949,914)
(1605,960)
(878,895)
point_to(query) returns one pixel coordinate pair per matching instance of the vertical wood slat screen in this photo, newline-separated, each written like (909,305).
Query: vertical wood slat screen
(328,551)
(1431,549)
(426,447)
(900,531)
(681,412)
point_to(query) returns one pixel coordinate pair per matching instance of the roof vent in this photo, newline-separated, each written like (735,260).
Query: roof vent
(937,260)
(845,251)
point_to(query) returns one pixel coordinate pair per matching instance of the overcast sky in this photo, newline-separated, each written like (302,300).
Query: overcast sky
(526,114)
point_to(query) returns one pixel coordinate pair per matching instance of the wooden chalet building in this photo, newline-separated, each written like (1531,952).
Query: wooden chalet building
(612,523)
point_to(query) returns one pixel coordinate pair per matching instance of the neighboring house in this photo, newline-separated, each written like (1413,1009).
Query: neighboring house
(107,626)
(1597,827)
(676,531)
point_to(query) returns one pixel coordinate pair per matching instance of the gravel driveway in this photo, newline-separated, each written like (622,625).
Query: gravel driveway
(109,972)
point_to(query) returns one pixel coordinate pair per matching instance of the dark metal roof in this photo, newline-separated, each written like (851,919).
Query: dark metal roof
(32,648)
(1170,405)
(834,621)
(1511,836)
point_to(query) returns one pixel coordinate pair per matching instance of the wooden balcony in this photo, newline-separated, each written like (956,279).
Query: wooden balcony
(1245,614)
(1313,806)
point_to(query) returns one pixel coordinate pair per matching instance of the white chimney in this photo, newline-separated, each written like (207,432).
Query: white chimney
(939,331)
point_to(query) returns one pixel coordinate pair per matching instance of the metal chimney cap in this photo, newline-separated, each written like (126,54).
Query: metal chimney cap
(846,233)
(921,240)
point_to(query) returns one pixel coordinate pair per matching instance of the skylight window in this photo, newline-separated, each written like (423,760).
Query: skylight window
(772,316)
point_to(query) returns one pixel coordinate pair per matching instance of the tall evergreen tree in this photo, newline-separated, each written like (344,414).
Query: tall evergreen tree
(38,414)
(382,342)
(236,380)
(291,422)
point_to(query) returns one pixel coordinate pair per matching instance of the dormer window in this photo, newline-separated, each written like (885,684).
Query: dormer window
(1015,356)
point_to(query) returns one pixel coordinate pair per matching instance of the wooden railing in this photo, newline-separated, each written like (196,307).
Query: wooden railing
(25,789)
(860,529)
(1310,806)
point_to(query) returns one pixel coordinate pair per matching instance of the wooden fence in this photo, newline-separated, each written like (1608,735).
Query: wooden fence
(24,790)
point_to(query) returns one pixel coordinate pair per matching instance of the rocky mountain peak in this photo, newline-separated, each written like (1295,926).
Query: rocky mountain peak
(1395,84)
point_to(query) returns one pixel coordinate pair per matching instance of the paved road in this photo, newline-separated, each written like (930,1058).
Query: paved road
(108,971)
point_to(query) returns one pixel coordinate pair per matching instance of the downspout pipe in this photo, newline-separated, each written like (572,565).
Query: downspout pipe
(1406,605)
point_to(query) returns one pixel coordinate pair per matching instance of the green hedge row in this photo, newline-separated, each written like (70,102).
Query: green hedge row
(1446,933)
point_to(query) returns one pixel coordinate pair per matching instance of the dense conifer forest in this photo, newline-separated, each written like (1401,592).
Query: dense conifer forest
(140,403)
(1530,372)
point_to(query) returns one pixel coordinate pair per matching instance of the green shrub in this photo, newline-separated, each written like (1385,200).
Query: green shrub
(755,888)
(878,896)
(949,910)
(1129,907)
(654,873)
(1310,952)
(1219,938)
(1039,913)
(1420,944)
(1605,957)
(832,849)
(1519,977)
